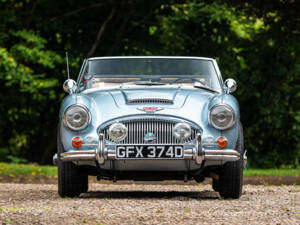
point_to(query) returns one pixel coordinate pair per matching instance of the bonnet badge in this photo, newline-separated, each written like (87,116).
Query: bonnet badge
(151,109)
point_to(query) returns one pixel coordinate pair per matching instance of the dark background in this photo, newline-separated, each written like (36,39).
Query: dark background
(255,42)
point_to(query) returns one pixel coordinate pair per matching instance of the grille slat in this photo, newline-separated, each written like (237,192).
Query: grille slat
(162,129)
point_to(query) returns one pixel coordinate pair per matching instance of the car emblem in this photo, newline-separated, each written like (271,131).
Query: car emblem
(150,109)
(149,137)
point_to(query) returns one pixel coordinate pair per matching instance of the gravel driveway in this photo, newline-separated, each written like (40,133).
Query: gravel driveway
(148,204)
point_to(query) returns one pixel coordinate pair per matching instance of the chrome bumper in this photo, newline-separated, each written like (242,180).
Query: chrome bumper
(216,155)
(191,152)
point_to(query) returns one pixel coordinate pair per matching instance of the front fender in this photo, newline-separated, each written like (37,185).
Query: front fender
(232,133)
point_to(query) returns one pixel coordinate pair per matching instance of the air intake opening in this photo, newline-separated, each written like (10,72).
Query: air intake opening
(150,101)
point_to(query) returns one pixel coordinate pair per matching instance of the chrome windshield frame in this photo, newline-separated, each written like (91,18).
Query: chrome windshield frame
(215,65)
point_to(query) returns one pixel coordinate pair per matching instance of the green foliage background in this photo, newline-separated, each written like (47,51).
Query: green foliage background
(255,42)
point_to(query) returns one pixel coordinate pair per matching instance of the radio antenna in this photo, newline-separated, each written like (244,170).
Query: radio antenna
(67,65)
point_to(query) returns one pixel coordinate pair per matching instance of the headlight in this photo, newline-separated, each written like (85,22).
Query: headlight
(182,131)
(222,117)
(117,131)
(76,117)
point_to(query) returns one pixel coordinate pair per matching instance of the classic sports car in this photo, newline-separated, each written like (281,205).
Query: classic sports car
(150,119)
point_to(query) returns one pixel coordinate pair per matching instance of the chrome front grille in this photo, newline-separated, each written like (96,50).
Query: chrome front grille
(162,129)
(150,101)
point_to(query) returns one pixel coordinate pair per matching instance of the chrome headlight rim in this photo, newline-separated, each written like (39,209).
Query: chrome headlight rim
(229,125)
(85,124)
(189,131)
(122,137)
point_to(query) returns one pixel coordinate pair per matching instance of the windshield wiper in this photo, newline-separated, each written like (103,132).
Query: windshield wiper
(149,83)
(205,88)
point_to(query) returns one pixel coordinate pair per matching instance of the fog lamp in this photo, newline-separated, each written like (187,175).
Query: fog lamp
(182,131)
(117,131)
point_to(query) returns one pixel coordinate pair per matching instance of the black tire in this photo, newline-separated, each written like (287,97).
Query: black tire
(71,181)
(231,173)
(215,185)
(84,183)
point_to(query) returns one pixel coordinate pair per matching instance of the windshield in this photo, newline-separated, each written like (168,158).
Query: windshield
(124,72)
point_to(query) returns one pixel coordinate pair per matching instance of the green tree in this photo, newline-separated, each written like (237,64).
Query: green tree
(255,42)
(258,48)
(27,90)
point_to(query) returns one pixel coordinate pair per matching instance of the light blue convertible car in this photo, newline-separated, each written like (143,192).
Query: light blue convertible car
(150,119)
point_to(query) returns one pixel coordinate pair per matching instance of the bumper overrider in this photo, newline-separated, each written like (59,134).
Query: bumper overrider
(103,152)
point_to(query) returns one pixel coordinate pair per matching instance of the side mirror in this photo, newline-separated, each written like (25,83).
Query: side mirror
(230,85)
(69,86)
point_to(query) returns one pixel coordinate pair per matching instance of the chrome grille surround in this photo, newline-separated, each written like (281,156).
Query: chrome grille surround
(138,126)
(150,101)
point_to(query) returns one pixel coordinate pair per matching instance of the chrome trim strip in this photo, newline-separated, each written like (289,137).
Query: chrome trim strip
(151,57)
(221,157)
(78,157)
(100,150)
(219,75)
(184,144)
(222,152)
(199,152)
(80,73)
(245,158)
(78,152)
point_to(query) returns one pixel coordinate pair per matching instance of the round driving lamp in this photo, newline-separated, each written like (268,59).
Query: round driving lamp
(117,131)
(76,117)
(182,131)
(222,117)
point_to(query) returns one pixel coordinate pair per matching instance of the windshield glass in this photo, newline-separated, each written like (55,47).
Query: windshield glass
(116,72)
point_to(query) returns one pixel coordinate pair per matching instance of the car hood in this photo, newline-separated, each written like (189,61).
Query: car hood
(190,104)
(172,98)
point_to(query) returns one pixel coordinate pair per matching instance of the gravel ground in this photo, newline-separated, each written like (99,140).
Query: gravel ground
(148,204)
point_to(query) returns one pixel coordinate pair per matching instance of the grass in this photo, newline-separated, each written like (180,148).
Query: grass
(272,172)
(12,169)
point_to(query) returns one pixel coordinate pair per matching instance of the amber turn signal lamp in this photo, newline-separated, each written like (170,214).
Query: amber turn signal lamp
(76,142)
(222,142)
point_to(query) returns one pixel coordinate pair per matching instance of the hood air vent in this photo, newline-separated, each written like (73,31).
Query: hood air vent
(150,101)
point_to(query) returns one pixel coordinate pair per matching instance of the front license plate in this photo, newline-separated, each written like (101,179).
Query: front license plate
(149,152)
